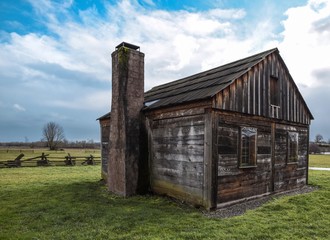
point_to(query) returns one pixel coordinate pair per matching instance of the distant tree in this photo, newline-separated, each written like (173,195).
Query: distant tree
(314,148)
(53,133)
(318,138)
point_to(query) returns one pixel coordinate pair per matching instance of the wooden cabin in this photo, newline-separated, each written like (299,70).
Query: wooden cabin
(105,133)
(232,133)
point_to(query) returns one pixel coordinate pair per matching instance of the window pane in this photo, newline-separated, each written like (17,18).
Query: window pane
(292,147)
(248,146)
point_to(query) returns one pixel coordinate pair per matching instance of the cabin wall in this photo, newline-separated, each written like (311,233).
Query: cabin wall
(272,171)
(251,93)
(176,153)
(235,182)
(290,175)
(105,134)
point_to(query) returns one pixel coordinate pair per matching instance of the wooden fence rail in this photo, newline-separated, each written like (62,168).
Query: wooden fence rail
(46,160)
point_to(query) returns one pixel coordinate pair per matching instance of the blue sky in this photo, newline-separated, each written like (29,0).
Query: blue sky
(55,56)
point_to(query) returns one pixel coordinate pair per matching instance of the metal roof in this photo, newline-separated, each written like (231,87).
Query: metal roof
(105,116)
(202,85)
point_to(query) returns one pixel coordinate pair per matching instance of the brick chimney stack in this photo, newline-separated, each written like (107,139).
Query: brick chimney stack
(126,119)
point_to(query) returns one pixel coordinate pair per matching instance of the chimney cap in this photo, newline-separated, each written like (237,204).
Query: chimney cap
(128,45)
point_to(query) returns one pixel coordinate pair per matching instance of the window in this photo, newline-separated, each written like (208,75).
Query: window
(292,140)
(274,91)
(248,147)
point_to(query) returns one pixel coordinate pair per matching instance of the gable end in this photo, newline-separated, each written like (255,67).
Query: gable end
(266,89)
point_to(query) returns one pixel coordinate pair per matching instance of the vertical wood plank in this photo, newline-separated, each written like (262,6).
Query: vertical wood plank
(272,182)
(258,90)
(219,100)
(262,88)
(245,98)
(214,167)
(265,80)
(253,91)
(284,98)
(294,106)
(208,161)
(280,94)
(249,82)
(287,103)
(307,157)
(239,97)
(226,98)
(268,74)
(232,96)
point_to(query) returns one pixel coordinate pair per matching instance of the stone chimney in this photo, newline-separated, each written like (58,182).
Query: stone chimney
(126,120)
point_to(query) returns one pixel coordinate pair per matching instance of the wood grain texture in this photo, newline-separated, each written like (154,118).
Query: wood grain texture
(177,154)
(273,172)
(251,93)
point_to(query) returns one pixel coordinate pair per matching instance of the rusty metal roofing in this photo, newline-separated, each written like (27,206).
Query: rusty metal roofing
(202,85)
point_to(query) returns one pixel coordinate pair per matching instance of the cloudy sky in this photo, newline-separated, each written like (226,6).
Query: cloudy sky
(55,56)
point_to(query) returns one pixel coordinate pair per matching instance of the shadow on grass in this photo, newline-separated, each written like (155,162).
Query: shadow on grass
(86,206)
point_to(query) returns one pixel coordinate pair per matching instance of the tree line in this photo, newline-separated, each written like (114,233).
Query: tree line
(319,145)
(53,137)
(87,144)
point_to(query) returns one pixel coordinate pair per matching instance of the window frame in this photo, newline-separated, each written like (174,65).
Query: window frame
(292,135)
(252,161)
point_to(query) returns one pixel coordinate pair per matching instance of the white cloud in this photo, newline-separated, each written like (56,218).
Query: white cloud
(306,50)
(19,107)
(306,45)
(76,55)
(93,101)
(176,43)
(226,13)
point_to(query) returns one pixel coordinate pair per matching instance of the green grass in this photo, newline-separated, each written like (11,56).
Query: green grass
(319,161)
(71,203)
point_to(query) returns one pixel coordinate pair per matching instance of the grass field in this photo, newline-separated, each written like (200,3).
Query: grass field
(319,161)
(72,203)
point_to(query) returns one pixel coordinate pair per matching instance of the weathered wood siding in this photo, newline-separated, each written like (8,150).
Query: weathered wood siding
(105,134)
(251,93)
(235,182)
(290,175)
(176,145)
(273,171)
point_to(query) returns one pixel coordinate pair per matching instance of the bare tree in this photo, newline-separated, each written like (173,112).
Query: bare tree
(53,133)
(318,138)
(314,148)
